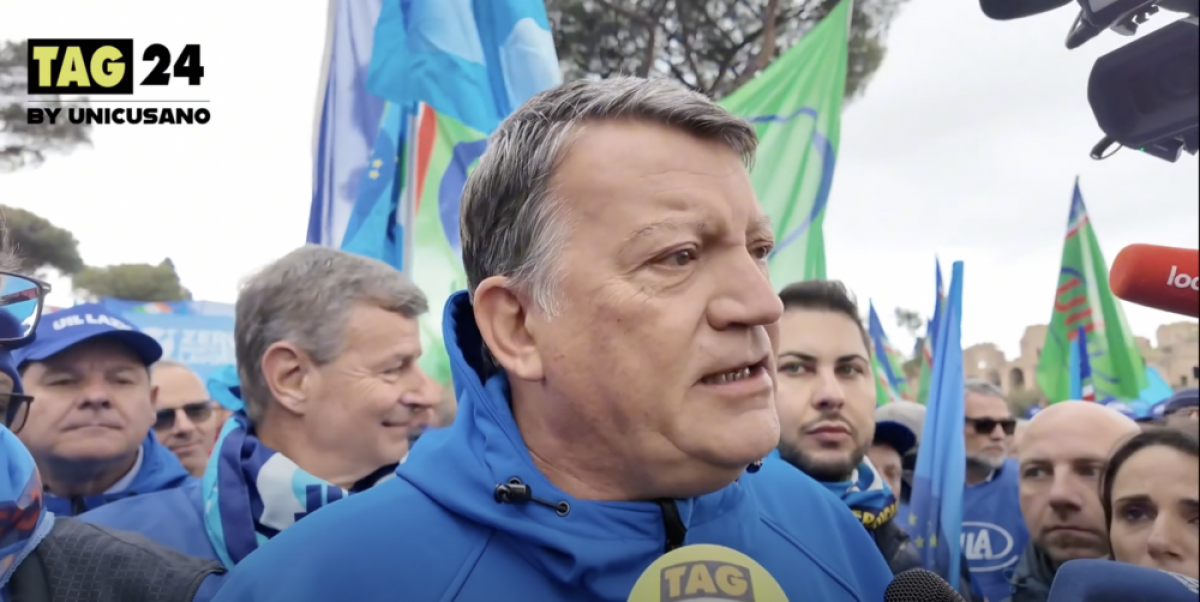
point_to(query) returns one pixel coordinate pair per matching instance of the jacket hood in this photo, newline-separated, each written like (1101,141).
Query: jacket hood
(465,469)
(160,470)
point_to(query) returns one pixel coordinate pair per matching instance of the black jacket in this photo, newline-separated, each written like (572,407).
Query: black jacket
(79,562)
(1034,575)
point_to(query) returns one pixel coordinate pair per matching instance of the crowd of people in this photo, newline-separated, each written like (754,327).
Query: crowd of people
(626,382)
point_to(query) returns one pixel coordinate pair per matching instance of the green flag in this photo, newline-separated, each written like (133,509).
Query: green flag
(796,107)
(1084,306)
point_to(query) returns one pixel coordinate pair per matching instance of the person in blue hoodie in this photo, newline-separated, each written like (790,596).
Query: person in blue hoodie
(614,365)
(327,390)
(90,428)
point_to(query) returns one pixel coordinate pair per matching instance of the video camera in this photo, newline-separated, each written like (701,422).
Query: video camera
(1146,94)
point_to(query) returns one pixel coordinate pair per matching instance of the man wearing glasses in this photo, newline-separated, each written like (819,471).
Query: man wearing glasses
(994,532)
(187,421)
(89,427)
(48,558)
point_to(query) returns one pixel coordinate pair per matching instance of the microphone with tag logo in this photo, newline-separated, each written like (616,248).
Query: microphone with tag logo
(706,573)
(1111,581)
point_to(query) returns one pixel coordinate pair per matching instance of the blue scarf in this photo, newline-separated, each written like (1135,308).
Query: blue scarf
(24,521)
(867,496)
(252,492)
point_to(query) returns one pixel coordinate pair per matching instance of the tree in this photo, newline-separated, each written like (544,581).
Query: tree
(133,281)
(910,321)
(22,144)
(38,243)
(713,46)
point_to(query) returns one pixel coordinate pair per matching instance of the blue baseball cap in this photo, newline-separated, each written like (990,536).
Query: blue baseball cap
(1187,398)
(66,328)
(896,435)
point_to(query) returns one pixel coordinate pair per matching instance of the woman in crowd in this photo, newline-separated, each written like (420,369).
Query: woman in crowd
(1150,494)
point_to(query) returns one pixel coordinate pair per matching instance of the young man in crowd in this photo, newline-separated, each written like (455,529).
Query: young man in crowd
(826,404)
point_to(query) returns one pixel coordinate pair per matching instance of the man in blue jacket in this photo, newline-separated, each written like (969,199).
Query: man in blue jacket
(994,532)
(47,558)
(614,364)
(90,428)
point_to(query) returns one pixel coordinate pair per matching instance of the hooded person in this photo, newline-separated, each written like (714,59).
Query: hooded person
(44,558)
(614,368)
(326,392)
(90,430)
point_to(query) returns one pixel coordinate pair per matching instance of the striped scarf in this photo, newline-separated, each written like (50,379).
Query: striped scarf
(868,497)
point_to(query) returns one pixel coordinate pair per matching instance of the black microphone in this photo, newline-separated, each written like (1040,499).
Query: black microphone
(1006,10)
(920,585)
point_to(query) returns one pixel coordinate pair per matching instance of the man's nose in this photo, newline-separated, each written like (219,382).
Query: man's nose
(829,396)
(96,394)
(1065,494)
(183,424)
(997,433)
(744,296)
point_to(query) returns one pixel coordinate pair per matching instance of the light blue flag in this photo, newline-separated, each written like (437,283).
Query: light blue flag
(377,223)
(940,477)
(348,120)
(473,60)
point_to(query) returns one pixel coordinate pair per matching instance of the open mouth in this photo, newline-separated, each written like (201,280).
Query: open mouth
(744,372)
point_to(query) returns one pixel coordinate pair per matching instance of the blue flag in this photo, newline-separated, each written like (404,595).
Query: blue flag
(473,60)
(937,496)
(348,119)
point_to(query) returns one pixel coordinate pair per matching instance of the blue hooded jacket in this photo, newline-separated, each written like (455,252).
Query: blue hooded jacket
(160,470)
(440,532)
(175,517)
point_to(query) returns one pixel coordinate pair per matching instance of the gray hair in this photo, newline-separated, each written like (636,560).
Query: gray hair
(305,298)
(510,225)
(979,386)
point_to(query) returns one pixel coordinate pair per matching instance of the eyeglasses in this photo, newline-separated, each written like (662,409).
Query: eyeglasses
(22,299)
(196,412)
(985,426)
(15,408)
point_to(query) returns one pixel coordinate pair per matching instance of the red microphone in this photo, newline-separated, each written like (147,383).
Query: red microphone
(1164,278)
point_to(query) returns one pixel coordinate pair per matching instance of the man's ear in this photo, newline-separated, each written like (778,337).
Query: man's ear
(286,370)
(502,319)
(154,397)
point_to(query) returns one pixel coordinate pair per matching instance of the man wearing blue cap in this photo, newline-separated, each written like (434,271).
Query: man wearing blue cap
(1182,409)
(89,431)
(46,558)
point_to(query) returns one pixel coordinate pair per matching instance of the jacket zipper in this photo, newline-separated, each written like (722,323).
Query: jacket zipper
(672,524)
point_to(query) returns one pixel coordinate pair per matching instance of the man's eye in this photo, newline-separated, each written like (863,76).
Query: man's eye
(681,258)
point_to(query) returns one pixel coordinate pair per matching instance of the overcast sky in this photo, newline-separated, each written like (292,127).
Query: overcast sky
(965,145)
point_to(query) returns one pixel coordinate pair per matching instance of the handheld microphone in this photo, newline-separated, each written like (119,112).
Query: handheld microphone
(1164,278)
(920,585)
(1006,10)
(1110,581)
(706,573)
